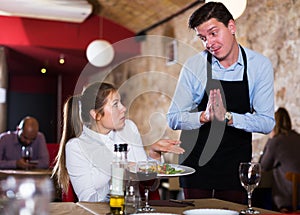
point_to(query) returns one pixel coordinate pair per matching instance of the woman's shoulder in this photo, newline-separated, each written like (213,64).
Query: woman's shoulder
(285,138)
(72,143)
(295,135)
(129,125)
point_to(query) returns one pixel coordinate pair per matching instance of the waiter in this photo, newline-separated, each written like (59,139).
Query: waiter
(223,94)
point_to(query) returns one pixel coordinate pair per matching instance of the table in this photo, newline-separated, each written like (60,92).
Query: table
(4,173)
(66,208)
(59,208)
(35,174)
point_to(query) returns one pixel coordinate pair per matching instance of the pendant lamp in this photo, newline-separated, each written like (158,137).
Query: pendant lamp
(100,53)
(235,7)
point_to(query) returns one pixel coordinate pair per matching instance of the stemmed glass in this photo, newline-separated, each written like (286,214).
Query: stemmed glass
(250,174)
(27,153)
(147,175)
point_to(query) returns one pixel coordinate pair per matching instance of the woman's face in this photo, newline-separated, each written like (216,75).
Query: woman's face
(114,114)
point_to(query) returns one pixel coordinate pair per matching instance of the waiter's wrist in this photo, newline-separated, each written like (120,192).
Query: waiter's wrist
(230,122)
(228,118)
(202,117)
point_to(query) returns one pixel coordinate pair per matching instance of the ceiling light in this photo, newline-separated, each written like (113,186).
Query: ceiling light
(61,59)
(59,10)
(236,7)
(100,53)
(43,70)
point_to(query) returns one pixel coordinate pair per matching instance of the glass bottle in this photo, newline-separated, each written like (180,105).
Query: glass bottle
(118,177)
(131,200)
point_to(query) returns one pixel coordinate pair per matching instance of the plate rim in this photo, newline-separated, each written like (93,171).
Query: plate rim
(192,170)
(210,209)
(155,213)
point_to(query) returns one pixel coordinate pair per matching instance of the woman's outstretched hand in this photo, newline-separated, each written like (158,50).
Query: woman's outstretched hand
(165,145)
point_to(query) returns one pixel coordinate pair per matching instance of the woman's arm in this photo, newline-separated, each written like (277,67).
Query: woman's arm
(165,145)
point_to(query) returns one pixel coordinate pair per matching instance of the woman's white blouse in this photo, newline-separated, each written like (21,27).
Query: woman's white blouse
(89,157)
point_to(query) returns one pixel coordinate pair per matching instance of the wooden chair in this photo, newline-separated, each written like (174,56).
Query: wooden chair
(295,179)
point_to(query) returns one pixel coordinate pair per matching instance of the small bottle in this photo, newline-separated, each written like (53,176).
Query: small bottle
(130,201)
(118,171)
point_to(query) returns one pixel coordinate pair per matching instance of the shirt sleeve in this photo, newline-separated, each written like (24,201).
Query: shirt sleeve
(42,151)
(261,84)
(190,88)
(4,163)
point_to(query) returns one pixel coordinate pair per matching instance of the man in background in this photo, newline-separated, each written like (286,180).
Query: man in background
(26,135)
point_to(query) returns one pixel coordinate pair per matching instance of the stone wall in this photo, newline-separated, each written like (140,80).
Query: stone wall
(270,27)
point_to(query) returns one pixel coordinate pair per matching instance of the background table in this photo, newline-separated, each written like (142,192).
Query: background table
(4,173)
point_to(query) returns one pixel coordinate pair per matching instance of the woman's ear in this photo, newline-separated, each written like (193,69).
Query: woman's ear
(93,114)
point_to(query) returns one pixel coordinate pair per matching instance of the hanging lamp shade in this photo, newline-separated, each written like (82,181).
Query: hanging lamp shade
(235,7)
(100,53)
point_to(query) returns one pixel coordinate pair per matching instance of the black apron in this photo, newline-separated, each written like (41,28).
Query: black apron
(233,146)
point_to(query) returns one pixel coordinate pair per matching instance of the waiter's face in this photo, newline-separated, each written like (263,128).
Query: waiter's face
(217,38)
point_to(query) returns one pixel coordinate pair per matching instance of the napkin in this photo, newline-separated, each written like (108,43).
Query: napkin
(171,203)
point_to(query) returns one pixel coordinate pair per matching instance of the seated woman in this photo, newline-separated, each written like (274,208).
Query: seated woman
(281,154)
(85,156)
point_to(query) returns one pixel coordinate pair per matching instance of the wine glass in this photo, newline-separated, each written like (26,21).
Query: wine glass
(27,153)
(147,175)
(250,174)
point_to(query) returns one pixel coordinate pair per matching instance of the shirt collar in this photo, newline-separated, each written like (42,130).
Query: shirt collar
(105,138)
(240,62)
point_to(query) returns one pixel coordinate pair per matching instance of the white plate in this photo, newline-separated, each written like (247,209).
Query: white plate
(150,213)
(210,212)
(186,171)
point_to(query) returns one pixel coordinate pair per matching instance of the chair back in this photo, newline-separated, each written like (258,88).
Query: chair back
(295,179)
(70,196)
(53,150)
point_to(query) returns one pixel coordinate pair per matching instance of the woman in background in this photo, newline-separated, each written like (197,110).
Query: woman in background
(281,154)
(85,157)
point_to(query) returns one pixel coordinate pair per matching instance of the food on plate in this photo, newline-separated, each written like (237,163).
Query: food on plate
(168,169)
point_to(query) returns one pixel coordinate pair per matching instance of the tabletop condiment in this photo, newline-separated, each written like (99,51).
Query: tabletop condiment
(118,171)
